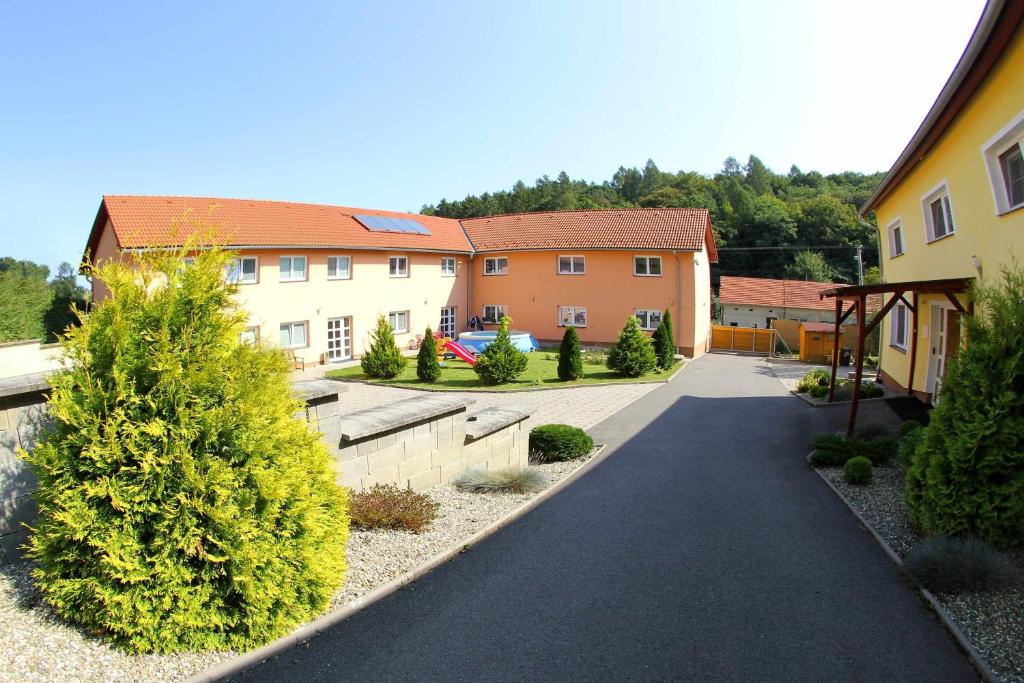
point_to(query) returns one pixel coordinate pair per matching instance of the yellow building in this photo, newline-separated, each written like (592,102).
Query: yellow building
(951,209)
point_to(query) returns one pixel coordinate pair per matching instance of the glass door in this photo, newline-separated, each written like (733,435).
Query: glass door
(447,326)
(339,339)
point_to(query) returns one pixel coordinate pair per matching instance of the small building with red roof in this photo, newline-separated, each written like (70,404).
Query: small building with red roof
(756,301)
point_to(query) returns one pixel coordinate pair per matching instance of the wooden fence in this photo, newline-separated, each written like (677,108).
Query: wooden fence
(749,339)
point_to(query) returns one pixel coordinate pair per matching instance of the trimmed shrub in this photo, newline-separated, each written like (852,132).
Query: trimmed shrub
(181,505)
(817,390)
(427,367)
(664,344)
(909,426)
(501,362)
(967,474)
(814,378)
(553,442)
(857,471)
(670,337)
(570,363)
(385,506)
(633,353)
(523,480)
(834,450)
(384,360)
(953,565)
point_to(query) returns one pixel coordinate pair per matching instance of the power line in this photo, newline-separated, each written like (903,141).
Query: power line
(851,246)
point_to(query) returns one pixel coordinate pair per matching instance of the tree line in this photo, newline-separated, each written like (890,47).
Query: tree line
(34,306)
(798,225)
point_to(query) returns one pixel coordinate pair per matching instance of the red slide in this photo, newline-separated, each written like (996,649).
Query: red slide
(460,351)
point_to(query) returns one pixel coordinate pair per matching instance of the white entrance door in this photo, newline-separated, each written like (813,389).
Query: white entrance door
(339,339)
(945,339)
(447,326)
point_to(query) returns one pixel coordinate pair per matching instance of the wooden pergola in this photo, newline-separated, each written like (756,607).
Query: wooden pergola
(857,296)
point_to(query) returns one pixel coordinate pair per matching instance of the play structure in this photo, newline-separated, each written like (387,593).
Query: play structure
(459,351)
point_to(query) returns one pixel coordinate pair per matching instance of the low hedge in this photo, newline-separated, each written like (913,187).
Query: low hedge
(554,442)
(833,450)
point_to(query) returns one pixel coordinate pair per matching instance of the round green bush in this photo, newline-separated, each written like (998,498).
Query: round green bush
(501,362)
(857,471)
(633,354)
(909,426)
(555,442)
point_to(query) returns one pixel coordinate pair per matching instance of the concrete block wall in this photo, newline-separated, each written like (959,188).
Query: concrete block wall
(22,417)
(28,357)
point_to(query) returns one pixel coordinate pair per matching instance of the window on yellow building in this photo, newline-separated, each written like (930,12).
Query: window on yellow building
(938,213)
(895,238)
(899,327)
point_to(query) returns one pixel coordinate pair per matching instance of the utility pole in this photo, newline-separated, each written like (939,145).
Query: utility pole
(860,264)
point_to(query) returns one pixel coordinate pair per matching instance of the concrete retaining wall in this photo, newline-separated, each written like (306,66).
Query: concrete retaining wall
(28,357)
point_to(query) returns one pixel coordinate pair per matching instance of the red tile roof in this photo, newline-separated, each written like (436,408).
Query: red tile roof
(758,291)
(683,229)
(146,222)
(822,327)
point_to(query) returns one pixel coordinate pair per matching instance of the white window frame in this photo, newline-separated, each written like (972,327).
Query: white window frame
(896,224)
(572,313)
(250,335)
(337,262)
(448,325)
(645,321)
(937,194)
(449,261)
(1009,135)
(647,265)
(236,274)
(496,260)
(304,324)
(291,268)
(895,327)
(574,259)
(500,311)
(394,269)
(394,322)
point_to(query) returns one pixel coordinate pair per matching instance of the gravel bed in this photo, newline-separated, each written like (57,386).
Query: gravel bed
(992,621)
(39,646)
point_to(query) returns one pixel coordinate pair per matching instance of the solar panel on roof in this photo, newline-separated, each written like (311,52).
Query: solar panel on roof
(390,224)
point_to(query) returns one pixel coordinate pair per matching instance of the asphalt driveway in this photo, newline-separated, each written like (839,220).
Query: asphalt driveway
(704,548)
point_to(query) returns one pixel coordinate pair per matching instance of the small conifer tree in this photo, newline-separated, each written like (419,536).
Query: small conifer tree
(427,367)
(570,362)
(181,504)
(633,353)
(670,335)
(383,360)
(664,344)
(501,361)
(966,476)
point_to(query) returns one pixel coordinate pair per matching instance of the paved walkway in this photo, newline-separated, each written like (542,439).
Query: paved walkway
(703,548)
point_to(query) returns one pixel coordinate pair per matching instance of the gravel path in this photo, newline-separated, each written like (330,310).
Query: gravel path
(38,646)
(993,622)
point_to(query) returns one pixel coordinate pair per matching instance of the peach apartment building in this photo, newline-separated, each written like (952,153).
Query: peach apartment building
(314,278)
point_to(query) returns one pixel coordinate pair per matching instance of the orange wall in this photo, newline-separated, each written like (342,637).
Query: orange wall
(533,290)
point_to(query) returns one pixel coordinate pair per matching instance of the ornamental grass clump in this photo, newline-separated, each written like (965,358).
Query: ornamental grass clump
(955,565)
(633,353)
(554,442)
(385,506)
(428,369)
(501,362)
(570,363)
(383,360)
(966,476)
(181,504)
(512,480)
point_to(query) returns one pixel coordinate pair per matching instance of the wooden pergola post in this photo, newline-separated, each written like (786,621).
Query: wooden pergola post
(913,344)
(835,351)
(859,372)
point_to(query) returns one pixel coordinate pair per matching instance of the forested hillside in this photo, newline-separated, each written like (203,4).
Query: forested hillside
(751,207)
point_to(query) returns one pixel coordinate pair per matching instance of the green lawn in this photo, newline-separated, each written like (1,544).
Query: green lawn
(541,373)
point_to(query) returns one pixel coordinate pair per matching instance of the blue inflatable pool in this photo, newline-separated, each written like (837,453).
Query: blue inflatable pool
(478,341)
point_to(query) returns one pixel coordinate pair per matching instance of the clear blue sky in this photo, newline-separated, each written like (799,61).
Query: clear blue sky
(397,104)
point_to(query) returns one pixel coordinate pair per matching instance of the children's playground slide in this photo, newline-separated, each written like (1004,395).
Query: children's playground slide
(460,352)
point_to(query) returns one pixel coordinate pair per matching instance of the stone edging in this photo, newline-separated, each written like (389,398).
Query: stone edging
(245,661)
(965,644)
(811,402)
(511,391)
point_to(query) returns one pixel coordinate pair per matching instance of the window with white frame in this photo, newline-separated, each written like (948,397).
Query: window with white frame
(1004,159)
(250,335)
(293,268)
(895,238)
(243,270)
(649,318)
(398,266)
(571,265)
(399,321)
(339,267)
(496,265)
(899,327)
(448,266)
(493,313)
(647,266)
(293,335)
(572,316)
(938,213)
(448,319)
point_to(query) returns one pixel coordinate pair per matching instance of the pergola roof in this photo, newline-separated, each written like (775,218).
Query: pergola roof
(950,286)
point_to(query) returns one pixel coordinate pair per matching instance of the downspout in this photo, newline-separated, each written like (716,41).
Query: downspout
(679,300)
(469,274)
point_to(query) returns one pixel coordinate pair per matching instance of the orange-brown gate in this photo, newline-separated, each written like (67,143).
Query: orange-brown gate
(748,339)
